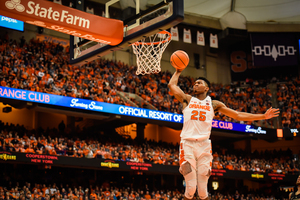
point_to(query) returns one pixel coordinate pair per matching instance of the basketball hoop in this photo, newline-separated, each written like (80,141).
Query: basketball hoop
(149,51)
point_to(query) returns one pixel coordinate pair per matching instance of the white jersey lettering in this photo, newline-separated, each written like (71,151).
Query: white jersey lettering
(198,116)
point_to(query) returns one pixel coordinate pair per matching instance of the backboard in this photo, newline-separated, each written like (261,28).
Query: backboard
(141,18)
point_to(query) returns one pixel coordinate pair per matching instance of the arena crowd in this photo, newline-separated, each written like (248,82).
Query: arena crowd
(55,191)
(17,139)
(43,67)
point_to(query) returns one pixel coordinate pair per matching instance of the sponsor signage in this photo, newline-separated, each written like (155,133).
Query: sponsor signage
(241,128)
(257,130)
(295,132)
(54,40)
(274,49)
(95,163)
(44,159)
(252,175)
(7,156)
(90,105)
(258,176)
(11,23)
(64,19)
(139,166)
(291,132)
(110,164)
(276,176)
(84,104)
(102,164)
(218,172)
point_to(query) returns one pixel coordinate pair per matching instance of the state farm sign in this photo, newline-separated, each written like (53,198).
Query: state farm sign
(64,19)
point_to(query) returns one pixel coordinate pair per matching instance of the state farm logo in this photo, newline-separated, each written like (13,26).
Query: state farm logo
(38,10)
(15,4)
(58,18)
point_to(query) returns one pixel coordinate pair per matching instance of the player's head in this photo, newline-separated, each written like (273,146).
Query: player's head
(201,86)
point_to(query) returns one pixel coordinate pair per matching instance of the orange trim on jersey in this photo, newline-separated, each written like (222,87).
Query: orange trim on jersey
(182,159)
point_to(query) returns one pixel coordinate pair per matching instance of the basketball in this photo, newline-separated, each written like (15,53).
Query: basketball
(180,59)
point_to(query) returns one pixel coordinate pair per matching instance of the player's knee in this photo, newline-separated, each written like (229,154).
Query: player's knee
(204,173)
(185,168)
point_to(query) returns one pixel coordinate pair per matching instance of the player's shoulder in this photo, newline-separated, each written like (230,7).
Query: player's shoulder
(217,104)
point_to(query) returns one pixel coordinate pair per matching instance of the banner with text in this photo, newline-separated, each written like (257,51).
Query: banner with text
(95,163)
(11,23)
(117,165)
(76,103)
(54,40)
(64,19)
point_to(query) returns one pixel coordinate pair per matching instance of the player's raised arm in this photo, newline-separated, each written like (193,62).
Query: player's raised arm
(243,116)
(175,89)
(179,60)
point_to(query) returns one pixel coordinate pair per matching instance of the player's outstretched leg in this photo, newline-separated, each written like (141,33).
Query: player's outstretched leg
(190,177)
(202,180)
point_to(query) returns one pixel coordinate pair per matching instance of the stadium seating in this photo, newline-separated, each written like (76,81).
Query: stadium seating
(43,67)
(18,139)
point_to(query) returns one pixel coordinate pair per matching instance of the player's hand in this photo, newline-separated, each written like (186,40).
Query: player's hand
(179,70)
(272,112)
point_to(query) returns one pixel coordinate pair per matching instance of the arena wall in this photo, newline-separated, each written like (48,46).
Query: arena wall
(18,116)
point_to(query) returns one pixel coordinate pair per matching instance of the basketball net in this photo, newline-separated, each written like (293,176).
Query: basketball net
(149,51)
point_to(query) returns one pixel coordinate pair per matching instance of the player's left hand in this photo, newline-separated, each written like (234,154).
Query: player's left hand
(272,112)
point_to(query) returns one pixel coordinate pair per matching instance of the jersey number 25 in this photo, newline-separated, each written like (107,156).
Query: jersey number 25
(201,114)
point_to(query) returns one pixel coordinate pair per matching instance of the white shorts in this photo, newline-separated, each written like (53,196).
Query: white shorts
(196,153)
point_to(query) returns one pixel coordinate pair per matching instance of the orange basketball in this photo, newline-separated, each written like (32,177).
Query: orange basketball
(179,59)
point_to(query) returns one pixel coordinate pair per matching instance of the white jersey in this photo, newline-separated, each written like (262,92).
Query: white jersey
(198,116)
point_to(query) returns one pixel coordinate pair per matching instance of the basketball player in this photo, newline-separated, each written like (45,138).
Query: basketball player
(296,194)
(195,146)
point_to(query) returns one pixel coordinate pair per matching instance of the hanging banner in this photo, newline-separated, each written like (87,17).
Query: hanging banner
(200,39)
(187,37)
(214,41)
(274,49)
(174,32)
(242,68)
(64,19)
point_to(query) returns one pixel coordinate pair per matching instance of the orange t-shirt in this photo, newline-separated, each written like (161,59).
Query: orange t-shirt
(147,196)
(107,193)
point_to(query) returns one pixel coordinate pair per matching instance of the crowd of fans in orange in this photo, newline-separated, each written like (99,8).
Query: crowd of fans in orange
(12,140)
(55,192)
(280,162)
(43,67)
(253,97)
(288,97)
